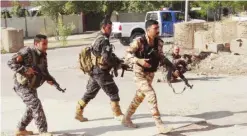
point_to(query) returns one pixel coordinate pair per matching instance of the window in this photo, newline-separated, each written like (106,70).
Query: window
(166,16)
(179,16)
(152,16)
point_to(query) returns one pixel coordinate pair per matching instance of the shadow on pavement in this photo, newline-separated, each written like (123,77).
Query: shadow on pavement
(104,129)
(195,127)
(140,116)
(215,114)
(204,126)
(198,127)
(101,130)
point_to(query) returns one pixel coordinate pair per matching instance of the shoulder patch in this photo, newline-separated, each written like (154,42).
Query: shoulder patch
(24,50)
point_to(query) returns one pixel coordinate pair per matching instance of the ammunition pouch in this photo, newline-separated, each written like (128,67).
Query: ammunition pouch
(33,82)
(21,79)
(98,61)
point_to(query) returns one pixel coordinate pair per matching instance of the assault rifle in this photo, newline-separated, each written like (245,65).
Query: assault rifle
(124,67)
(120,65)
(57,86)
(171,68)
(48,77)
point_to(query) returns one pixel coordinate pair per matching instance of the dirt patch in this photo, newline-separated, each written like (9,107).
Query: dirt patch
(222,63)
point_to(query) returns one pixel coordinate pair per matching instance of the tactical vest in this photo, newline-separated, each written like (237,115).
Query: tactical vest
(149,52)
(97,59)
(38,65)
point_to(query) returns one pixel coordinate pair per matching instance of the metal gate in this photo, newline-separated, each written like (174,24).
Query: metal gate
(92,21)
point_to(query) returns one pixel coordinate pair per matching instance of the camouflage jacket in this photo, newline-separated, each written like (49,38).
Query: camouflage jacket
(103,49)
(23,59)
(137,45)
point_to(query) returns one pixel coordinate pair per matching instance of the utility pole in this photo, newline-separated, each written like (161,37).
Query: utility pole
(186,10)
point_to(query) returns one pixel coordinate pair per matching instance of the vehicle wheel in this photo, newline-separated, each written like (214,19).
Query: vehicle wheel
(125,41)
(135,35)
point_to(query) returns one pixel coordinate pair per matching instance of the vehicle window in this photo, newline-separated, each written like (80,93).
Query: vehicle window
(152,16)
(166,16)
(179,16)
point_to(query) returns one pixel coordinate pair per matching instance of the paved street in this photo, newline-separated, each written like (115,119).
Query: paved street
(216,106)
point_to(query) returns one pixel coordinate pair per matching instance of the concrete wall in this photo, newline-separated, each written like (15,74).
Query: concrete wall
(35,25)
(18,23)
(12,39)
(3,22)
(202,38)
(43,25)
(225,31)
(76,20)
(242,29)
(50,26)
(189,35)
(184,33)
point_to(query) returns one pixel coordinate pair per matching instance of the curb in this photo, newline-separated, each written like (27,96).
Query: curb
(68,46)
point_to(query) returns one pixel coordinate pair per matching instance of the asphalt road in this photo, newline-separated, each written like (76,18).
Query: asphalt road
(221,100)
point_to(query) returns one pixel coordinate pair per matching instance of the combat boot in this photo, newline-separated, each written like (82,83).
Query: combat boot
(79,111)
(45,134)
(131,110)
(160,126)
(23,133)
(127,122)
(117,113)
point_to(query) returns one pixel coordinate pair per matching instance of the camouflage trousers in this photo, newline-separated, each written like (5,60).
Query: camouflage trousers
(104,81)
(34,109)
(145,89)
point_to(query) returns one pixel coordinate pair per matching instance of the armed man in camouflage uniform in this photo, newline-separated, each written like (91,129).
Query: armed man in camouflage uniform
(104,60)
(27,80)
(146,53)
(179,64)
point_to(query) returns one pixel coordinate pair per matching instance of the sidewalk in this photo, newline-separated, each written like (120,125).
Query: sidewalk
(72,40)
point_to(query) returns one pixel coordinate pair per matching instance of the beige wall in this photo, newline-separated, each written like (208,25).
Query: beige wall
(50,27)
(242,29)
(18,23)
(3,22)
(35,25)
(189,35)
(44,25)
(12,39)
(184,33)
(76,20)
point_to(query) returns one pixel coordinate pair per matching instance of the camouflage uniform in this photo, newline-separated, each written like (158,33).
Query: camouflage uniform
(27,90)
(101,78)
(180,66)
(144,82)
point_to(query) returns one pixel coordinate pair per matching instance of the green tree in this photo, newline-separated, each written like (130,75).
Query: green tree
(144,6)
(64,30)
(106,7)
(16,8)
(51,8)
(109,6)
(237,6)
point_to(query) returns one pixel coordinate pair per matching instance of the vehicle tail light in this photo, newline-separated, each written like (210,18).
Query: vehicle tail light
(120,28)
